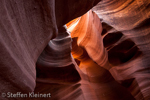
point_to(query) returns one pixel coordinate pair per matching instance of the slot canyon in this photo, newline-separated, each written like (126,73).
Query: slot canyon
(75,49)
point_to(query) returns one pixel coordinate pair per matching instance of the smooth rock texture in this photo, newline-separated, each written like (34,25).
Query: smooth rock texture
(103,55)
(26,27)
(86,48)
(67,10)
(126,23)
(55,62)
(24,33)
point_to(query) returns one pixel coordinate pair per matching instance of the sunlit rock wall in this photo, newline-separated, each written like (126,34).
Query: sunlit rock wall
(124,43)
(92,58)
(110,46)
(126,30)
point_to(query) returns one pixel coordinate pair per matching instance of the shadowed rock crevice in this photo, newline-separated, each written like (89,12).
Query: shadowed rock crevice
(111,38)
(66,74)
(122,52)
(55,62)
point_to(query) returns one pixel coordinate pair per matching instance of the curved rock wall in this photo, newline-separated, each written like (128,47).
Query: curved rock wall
(123,43)
(126,24)
(26,27)
(24,33)
(112,52)
(55,65)
(88,49)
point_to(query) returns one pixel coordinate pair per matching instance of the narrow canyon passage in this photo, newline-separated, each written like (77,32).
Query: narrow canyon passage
(75,50)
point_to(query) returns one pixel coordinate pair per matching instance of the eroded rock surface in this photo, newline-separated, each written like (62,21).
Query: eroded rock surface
(110,45)
(127,21)
(26,27)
